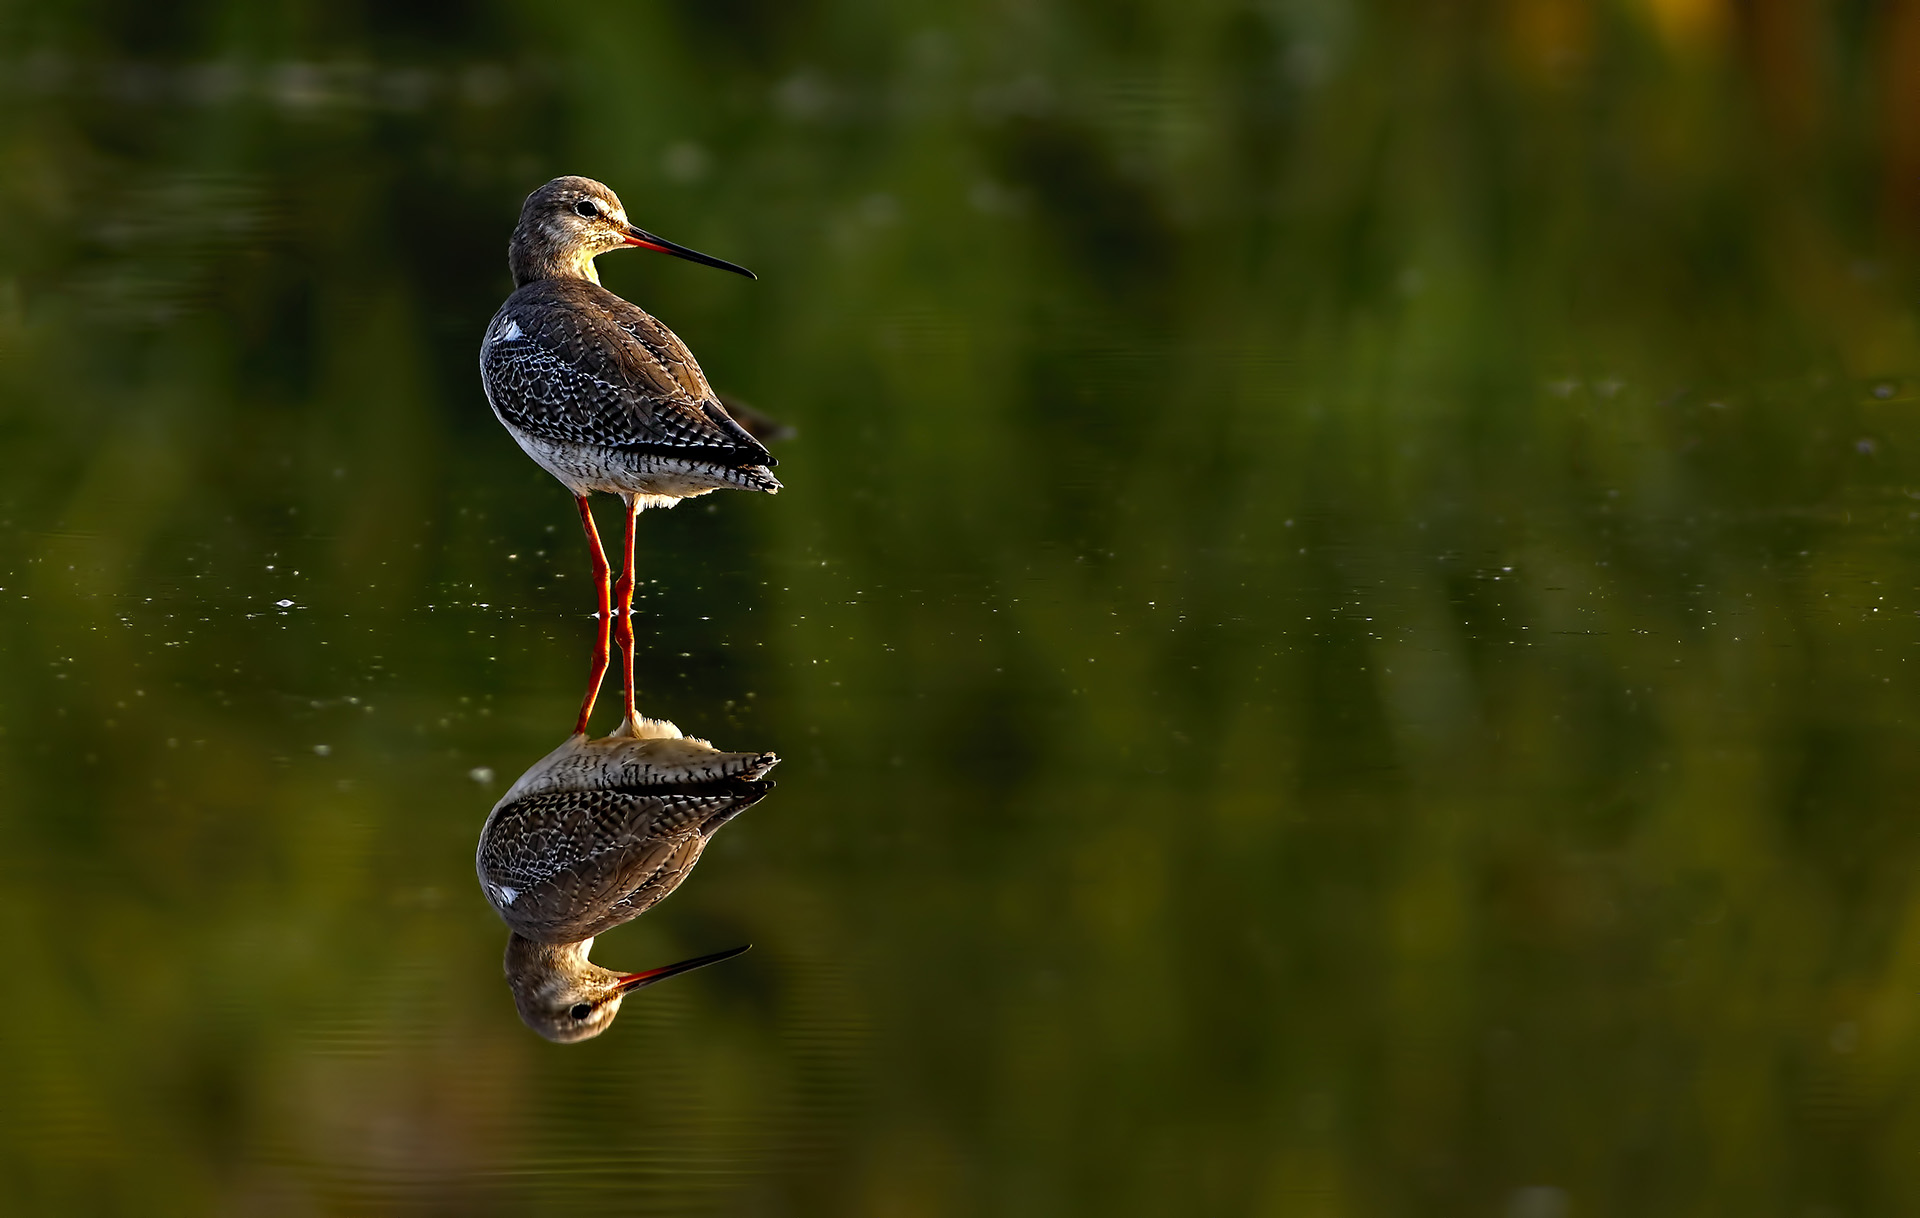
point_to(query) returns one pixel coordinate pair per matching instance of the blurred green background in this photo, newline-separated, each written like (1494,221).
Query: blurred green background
(1340,627)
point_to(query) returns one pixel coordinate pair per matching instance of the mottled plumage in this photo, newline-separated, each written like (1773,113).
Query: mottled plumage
(572,864)
(599,831)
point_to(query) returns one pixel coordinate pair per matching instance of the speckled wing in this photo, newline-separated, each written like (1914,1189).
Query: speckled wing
(566,865)
(568,361)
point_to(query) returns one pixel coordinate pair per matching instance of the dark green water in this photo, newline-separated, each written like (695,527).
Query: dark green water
(1341,628)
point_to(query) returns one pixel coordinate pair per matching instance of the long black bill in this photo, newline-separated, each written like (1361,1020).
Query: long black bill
(635,981)
(646,240)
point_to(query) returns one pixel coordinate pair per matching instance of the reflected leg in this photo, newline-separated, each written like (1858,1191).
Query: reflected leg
(604,594)
(624,591)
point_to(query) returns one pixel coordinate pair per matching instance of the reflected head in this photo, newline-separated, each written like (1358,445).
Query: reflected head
(559,992)
(566,997)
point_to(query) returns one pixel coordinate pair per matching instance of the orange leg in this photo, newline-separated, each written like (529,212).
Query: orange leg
(624,590)
(605,597)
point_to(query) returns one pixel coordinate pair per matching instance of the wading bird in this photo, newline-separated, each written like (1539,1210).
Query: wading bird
(600,394)
(594,835)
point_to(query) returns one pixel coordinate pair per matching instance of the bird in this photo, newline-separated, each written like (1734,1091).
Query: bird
(592,836)
(603,396)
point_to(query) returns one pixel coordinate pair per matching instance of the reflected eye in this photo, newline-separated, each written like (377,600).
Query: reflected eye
(581,1010)
(587,208)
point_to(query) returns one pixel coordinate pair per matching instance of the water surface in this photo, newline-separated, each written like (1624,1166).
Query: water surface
(1340,631)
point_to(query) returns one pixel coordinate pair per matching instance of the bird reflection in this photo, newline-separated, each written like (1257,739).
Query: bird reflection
(592,836)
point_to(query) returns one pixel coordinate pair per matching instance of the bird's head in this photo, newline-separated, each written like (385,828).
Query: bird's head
(565,997)
(570,221)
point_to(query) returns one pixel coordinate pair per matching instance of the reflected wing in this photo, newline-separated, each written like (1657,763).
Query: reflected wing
(566,865)
(568,361)
(757,423)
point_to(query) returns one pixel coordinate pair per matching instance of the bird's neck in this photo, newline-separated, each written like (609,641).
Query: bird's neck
(536,967)
(525,955)
(531,264)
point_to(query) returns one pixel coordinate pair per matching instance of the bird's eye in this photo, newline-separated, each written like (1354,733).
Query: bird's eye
(586,208)
(581,1010)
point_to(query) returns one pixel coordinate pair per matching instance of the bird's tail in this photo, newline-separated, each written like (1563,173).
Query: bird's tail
(754,478)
